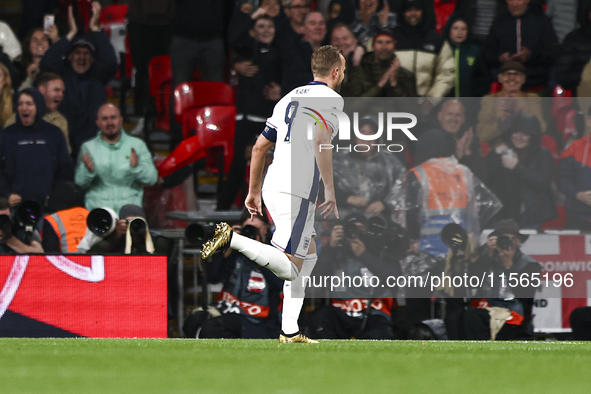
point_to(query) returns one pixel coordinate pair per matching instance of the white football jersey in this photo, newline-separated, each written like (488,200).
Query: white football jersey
(294,170)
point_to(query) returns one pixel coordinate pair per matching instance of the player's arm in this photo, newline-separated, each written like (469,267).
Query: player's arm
(322,138)
(257,166)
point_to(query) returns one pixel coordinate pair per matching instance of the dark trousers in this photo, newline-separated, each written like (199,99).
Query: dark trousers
(145,43)
(224,326)
(246,131)
(186,56)
(580,322)
(329,322)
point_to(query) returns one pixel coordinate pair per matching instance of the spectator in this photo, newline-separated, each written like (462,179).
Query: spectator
(481,15)
(33,153)
(297,70)
(563,14)
(380,73)
(197,42)
(258,66)
(149,27)
(441,191)
(364,180)
(5,95)
(371,17)
(34,47)
(113,167)
(575,52)
(499,109)
(452,120)
(8,41)
(342,37)
(525,35)
(65,224)
(289,32)
(248,305)
(471,74)
(14,242)
(521,172)
(244,17)
(87,65)
(574,181)
(504,311)
(358,315)
(52,88)
(423,51)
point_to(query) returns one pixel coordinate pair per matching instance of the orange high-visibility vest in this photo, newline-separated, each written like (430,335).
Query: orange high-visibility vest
(70,226)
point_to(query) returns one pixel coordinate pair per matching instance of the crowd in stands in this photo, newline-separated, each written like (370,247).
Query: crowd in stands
(481,75)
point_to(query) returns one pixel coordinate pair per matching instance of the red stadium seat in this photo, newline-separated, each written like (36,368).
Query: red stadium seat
(558,223)
(207,114)
(160,74)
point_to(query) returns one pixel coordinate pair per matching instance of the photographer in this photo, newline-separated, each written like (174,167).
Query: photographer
(11,241)
(248,304)
(502,311)
(131,236)
(356,249)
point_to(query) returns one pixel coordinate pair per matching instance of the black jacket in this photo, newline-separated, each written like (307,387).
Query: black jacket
(537,34)
(85,93)
(575,51)
(250,99)
(524,191)
(201,20)
(33,158)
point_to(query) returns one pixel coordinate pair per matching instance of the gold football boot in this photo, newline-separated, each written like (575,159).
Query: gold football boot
(300,338)
(220,241)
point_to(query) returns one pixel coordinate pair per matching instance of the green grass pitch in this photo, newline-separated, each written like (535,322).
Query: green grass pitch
(264,366)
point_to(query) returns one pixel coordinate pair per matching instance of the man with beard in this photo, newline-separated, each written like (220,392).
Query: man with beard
(52,88)
(87,64)
(113,167)
(379,73)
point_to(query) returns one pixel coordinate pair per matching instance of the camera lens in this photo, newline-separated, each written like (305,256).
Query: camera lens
(377,227)
(99,221)
(504,242)
(453,235)
(28,213)
(137,227)
(249,231)
(199,233)
(351,231)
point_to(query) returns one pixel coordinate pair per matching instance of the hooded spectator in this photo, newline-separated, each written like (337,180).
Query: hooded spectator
(33,153)
(520,173)
(471,74)
(423,51)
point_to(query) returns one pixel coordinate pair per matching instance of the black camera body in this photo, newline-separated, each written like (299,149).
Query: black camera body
(376,229)
(504,242)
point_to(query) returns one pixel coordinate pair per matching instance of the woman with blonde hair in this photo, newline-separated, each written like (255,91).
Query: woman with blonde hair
(5,95)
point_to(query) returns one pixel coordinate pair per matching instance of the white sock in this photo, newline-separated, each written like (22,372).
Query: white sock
(292,303)
(266,256)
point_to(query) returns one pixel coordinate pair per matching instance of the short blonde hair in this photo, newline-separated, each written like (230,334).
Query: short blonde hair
(325,59)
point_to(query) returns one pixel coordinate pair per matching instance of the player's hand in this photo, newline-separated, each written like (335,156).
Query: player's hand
(246,69)
(14,199)
(254,205)
(336,235)
(357,247)
(87,162)
(134,159)
(94,20)
(375,208)
(72,23)
(330,204)
(357,201)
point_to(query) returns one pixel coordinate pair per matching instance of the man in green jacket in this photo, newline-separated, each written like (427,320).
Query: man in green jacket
(379,74)
(113,167)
